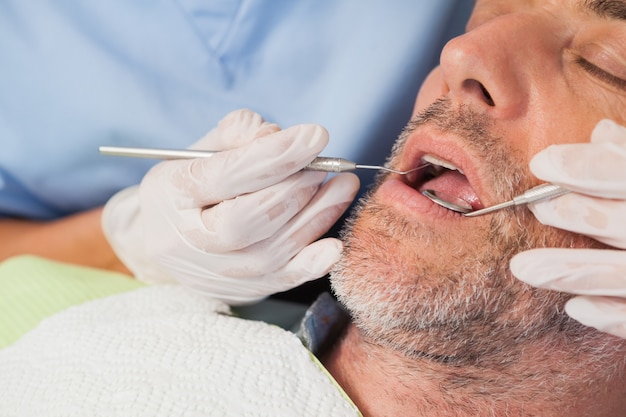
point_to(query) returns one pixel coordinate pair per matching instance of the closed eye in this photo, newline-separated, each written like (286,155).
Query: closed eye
(601,74)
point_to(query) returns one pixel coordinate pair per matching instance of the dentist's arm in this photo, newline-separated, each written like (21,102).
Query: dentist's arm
(240,225)
(597,172)
(75,239)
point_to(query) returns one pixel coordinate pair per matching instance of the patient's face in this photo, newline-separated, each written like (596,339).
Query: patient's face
(527,74)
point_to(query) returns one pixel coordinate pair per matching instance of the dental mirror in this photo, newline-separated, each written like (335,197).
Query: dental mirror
(448,201)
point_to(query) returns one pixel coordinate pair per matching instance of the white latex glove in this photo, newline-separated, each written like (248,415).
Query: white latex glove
(596,171)
(240,225)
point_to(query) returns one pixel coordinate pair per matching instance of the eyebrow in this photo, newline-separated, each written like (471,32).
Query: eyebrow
(612,9)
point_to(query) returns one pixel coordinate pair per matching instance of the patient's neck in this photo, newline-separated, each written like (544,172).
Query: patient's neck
(382,382)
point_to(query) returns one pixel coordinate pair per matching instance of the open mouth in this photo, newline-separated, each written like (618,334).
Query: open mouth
(444,178)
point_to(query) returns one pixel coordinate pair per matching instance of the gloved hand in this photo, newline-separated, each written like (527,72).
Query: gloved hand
(596,171)
(240,225)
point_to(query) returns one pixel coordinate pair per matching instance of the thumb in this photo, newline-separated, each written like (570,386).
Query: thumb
(312,262)
(607,131)
(597,168)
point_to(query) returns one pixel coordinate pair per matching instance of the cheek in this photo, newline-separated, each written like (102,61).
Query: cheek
(431,90)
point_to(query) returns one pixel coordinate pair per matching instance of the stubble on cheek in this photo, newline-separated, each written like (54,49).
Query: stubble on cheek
(418,292)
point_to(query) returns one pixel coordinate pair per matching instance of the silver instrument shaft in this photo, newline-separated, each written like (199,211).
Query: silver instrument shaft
(321,163)
(534,195)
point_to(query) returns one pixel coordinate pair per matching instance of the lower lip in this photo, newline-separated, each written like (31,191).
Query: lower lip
(396,193)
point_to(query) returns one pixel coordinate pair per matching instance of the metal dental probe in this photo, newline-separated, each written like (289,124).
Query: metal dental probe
(321,163)
(534,195)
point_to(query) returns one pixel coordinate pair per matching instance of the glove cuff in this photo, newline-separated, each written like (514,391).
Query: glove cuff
(123,230)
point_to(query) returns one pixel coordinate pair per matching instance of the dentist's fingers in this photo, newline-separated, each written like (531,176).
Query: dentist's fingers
(250,218)
(263,256)
(236,129)
(596,172)
(576,271)
(598,277)
(598,218)
(313,221)
(266,161)
(312,262)
(607,314)
(597,168)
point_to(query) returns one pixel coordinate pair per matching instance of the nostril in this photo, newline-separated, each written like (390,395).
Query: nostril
(488,98)
(478,90)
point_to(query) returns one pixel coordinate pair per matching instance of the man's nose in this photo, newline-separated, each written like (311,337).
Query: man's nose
(487,68)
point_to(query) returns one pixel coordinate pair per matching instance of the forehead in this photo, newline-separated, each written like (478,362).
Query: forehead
(608,9)
(605,19)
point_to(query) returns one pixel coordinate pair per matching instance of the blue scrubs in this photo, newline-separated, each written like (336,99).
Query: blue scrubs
(75,75)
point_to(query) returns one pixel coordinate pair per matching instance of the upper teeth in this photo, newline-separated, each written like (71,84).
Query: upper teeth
(440,162)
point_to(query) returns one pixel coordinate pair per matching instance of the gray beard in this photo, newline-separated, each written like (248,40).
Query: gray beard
(462,307)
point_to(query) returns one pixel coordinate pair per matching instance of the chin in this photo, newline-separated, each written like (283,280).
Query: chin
(416,290)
